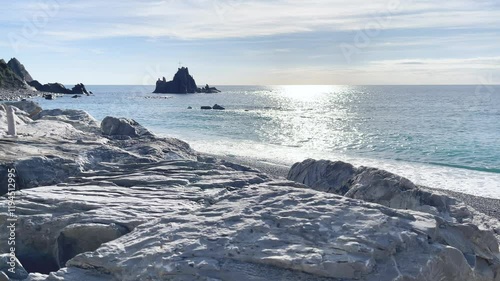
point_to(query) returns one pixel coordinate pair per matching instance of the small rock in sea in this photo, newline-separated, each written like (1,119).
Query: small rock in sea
(218,107)
(189,107)
(206,107)
(75,96)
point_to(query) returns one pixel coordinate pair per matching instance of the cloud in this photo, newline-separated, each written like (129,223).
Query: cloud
(215,19)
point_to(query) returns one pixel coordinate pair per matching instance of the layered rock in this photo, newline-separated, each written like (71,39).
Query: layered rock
(146,208)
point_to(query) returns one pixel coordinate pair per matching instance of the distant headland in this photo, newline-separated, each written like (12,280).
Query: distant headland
(182,83)
(15,77)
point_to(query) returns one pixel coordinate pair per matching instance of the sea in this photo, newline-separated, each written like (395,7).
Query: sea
(445,137)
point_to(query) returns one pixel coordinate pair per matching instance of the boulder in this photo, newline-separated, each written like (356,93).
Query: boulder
(218,107)
(79,119)
(206,107)
(112,126)
(182,83)
(377,186)
(75,96)
(323,175)
(19,69)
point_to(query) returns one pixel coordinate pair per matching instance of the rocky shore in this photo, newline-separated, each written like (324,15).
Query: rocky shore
(111,201)
(17,94)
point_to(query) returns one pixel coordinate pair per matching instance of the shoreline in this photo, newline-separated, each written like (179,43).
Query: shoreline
(17,94)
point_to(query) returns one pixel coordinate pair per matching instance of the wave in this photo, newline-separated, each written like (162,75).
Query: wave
(472,168)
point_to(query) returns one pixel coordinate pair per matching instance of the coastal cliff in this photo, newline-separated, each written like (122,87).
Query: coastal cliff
(112,201)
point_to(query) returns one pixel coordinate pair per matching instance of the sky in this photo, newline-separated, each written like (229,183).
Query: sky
(255,42)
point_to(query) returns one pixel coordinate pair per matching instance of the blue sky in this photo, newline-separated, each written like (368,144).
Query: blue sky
(255,42)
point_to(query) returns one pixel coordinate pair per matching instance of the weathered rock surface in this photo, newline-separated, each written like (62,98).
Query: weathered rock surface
(79,119)
(208,90)
(57,144)
(182,83)
(112,126)
(149,209)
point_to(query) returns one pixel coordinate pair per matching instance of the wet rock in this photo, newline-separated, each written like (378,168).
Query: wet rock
(205,107)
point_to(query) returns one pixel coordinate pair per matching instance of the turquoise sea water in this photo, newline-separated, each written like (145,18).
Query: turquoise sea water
(440,136)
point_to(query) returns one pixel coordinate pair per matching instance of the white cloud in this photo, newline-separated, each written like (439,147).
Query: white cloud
(236,18)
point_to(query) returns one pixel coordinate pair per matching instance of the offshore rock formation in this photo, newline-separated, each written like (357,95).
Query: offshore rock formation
(123,127)
(147,208)
(182,83)
(58,88)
